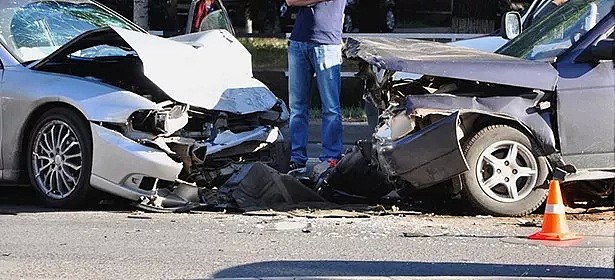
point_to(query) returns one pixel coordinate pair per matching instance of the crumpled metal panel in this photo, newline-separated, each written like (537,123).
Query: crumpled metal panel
(113,107)
(228,139)
(200,78)
(442,60)
(246,100)
(510,107)
(113,147)
(418,160)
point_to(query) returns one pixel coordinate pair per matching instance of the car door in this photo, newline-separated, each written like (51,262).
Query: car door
(586,107)
(217,19)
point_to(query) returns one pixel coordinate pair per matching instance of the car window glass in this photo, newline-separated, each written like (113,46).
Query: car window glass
(102,51)
(36,29)
(215,20)
(555,33)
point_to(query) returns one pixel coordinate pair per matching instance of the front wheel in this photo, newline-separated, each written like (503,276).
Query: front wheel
(390,20)
(348,23)
(504,172)
(59,159)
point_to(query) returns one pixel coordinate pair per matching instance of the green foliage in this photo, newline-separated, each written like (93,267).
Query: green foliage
(272,54)
(267,53)
(349,114)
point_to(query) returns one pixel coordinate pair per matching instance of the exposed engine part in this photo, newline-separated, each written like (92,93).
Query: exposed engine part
(164,122)
(177,196)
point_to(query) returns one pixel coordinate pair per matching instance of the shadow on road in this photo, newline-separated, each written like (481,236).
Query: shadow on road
(392,268)
(21,199)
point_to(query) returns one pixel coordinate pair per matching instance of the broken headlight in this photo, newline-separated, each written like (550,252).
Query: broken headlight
(164,122)
(401,125)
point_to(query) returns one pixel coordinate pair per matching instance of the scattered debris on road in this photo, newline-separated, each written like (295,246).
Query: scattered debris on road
(420,234)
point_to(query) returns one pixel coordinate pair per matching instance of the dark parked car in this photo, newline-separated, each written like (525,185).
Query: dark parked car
(364,15)
(496,125)
(264,13)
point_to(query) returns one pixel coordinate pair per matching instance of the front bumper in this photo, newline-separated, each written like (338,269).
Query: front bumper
(416,158)
(119,164)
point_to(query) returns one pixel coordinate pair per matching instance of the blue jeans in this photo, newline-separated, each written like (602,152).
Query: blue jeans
(305,60)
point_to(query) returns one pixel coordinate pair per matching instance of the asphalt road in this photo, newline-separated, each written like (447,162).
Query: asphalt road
(115,242)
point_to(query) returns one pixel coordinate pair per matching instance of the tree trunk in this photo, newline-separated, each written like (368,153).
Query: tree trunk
(140,13)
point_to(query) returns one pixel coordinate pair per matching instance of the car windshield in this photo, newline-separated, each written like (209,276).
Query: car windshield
(33,29)
(553,34)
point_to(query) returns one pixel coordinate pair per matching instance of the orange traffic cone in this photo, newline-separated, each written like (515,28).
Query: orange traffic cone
(554,225)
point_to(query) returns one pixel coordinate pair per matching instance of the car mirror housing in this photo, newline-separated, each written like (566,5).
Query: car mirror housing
(511,25)
(603,50)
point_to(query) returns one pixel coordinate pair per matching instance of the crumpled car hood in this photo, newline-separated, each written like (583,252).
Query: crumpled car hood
(210,70)
(442,60)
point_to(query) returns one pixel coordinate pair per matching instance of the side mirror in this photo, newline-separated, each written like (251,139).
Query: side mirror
(511,25)
(604,50)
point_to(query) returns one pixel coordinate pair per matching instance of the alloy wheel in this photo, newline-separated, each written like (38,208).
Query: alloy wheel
(348,24)
(390,20)
(507,171)
(56,159)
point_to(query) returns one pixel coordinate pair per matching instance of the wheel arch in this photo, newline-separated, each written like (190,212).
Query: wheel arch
(31,121)
(473,122)
(474,146)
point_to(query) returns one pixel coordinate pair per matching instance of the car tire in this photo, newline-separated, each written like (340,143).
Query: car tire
(60,166)
(504,171)
(389,21)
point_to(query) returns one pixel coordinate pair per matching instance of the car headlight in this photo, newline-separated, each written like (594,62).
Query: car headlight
(165,122)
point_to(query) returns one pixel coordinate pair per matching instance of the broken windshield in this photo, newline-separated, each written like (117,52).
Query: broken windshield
(553,34)
(31,30)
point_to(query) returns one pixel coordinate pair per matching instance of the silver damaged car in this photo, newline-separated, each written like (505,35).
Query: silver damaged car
(91,102)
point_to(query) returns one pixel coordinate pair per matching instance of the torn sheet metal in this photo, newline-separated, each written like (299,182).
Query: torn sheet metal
(228,139)
(442,60)
(185,74)
(517,108)
(245,99)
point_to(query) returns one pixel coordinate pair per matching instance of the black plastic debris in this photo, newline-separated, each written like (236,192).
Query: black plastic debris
(421,234)
(355,175)
(257,185)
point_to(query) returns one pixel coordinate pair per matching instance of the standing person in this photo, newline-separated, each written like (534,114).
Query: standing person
(315,48)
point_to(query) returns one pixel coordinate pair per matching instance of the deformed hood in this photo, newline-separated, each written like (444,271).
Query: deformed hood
(213,72)
(442,60)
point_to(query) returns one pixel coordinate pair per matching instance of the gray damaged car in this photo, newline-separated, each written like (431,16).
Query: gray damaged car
(91,102)
(495,125)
